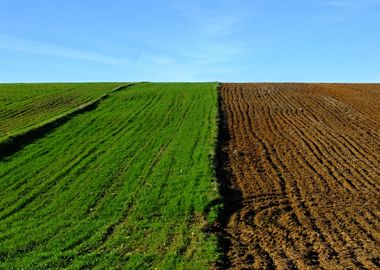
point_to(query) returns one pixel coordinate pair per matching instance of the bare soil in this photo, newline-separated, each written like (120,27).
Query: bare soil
(300,175)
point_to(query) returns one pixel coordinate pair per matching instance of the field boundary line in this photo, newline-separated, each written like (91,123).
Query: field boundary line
(15,142)
(230,200)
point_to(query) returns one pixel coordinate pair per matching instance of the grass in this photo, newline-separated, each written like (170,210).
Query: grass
(125,186)
(23,106)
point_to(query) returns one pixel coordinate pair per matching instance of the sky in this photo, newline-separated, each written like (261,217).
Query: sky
(179,40)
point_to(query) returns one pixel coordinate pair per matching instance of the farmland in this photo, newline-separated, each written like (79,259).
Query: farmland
(189,176)
(23,106)
(299,164)
(127,184)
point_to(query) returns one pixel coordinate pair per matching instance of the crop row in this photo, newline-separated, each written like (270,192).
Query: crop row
(127,184)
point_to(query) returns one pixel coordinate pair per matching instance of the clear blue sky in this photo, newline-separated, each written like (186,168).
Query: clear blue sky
(169,40)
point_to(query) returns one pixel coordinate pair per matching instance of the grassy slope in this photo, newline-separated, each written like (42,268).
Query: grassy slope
(23,106)
(125,185)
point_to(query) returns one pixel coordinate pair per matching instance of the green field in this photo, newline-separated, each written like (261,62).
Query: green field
(23,106)
(126,185)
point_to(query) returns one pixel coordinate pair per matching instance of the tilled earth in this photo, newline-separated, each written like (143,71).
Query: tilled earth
(301,175)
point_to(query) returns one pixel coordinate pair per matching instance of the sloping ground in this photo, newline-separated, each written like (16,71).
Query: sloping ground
(16,141)
(23,106)
(303,166)
(127,185)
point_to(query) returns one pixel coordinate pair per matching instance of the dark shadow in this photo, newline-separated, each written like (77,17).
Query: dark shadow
(230,194)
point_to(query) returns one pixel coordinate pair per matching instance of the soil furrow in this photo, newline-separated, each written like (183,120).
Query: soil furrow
(328,143)
(307,169)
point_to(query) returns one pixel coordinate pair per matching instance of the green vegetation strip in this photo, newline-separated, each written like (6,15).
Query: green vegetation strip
(126,185)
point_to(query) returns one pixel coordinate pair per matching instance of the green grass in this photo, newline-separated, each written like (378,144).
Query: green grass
(23,106)
(125,186)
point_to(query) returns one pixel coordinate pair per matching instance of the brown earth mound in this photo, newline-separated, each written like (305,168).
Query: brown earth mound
(304,175)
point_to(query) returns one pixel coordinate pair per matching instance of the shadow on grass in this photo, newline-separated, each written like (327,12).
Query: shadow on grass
(231,197)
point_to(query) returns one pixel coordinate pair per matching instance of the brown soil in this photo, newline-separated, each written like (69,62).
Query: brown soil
(300,176)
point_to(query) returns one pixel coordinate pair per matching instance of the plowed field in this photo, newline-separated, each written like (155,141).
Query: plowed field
(302,165)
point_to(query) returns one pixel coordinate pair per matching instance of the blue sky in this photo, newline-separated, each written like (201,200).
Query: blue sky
(169,40)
